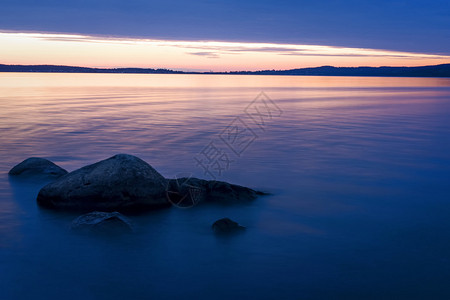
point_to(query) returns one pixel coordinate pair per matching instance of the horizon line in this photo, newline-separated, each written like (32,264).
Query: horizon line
(439,70)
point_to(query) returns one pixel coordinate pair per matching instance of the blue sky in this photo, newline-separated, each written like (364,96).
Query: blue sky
(415,26)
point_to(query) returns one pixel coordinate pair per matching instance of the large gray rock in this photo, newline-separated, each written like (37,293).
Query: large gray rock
(187,192)
(36,166)
(122,182)
(102,222)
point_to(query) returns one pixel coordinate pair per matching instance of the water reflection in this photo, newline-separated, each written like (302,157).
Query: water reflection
(358,166)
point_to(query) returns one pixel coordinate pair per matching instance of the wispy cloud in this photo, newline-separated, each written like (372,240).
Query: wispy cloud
(213,49)
(205,54)
(309,50)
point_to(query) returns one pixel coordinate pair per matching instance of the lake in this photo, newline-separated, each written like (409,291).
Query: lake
(358,169)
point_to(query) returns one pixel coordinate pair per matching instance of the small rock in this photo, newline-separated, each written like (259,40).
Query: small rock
(34,166)
(226,225)
(102,222)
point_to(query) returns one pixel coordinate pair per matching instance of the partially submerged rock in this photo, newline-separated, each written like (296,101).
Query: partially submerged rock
(36,166)
(226,226)
(190,191)
(186,192)
(225,192)
(102,222)
(122,182)
(125,182)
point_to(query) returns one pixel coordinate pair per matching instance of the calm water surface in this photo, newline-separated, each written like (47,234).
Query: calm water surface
(359,169)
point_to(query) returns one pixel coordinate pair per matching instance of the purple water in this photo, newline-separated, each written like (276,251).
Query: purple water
(359,169)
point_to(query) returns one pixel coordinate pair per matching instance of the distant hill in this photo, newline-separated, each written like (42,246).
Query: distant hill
(425,71)
(69,69)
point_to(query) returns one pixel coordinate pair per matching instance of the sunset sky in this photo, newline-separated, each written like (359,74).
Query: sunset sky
(224,35)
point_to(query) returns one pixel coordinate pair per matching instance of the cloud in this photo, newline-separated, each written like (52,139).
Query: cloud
(205,54)
(213,49)
(111,51)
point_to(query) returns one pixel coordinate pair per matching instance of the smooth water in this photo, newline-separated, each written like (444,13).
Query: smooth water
(359,169)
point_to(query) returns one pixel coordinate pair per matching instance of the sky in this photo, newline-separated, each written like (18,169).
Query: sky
(224,35)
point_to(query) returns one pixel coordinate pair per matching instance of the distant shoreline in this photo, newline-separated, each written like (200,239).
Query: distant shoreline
(440,71)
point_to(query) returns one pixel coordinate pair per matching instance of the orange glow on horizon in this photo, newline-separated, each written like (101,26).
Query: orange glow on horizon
(92,51)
